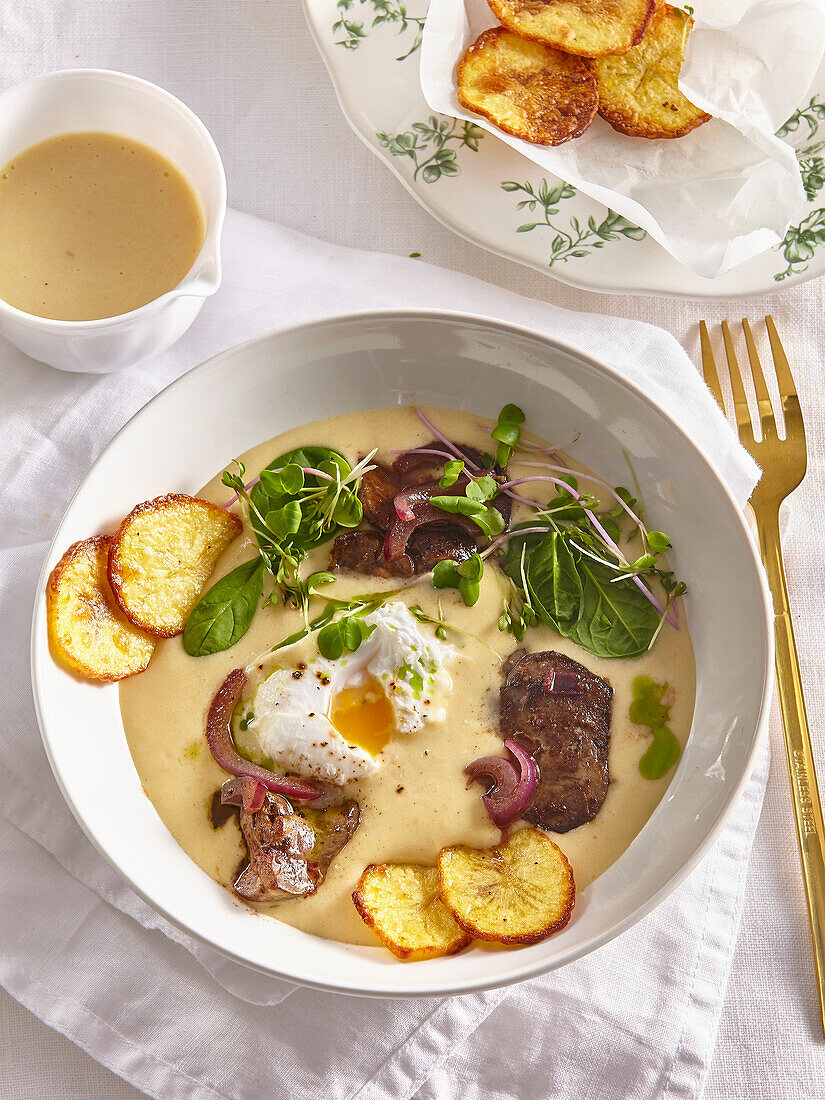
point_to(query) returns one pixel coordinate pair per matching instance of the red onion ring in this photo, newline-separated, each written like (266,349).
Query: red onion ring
(511,785)
(243,790)
(561,683)
(413,510)
(222,747)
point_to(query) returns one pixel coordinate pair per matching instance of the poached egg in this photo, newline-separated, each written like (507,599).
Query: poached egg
(330,720)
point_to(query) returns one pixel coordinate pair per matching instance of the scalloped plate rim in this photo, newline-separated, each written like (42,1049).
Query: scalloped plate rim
(641,289)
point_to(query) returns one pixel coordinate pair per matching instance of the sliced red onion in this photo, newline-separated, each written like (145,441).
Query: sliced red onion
(424,514)
(222,747)
(405,501)
(561,683)
(511,786)
(243,790)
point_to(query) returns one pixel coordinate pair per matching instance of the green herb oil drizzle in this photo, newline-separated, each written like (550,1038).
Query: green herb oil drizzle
(647,709)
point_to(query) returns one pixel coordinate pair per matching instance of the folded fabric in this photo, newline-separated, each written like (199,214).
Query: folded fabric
(84,953)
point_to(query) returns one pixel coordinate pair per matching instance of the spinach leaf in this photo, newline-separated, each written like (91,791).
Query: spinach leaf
(554,582)
(615,618)
(223,614)
(579,598)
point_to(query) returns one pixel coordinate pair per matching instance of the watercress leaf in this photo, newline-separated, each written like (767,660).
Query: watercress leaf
(458,505)
(472,569)
(445,574)
(450,574)
(452,472)
(658,541)
(470,591)
(512,414)
(331,641)
(507,433)
(644,562)
(351,633)
(292,478)
(285,521)
(231,480)
(223,614)
(284,482)
(490,520)
(570,480)
(270,494)
(487,486)
(348,511)
(316,580)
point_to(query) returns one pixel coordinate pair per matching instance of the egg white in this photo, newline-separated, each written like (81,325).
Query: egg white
(285,717)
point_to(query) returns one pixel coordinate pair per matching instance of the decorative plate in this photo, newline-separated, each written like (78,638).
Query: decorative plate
(487,193)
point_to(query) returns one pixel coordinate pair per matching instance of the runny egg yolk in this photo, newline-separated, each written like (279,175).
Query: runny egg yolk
(363,716)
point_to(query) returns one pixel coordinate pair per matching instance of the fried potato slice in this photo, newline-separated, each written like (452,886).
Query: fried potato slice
(526,89)
(400,903)
(639,92)
(519,892)
(161,558)
(87,629)
(588,28)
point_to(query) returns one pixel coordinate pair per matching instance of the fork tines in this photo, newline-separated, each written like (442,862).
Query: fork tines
(794,427)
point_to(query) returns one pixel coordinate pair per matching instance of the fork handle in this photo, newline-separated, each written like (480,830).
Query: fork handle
(810,830)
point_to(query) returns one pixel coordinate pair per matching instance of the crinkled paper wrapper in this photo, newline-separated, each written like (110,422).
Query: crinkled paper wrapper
(719,196)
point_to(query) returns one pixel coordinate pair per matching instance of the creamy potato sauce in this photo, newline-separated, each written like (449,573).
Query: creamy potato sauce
(418,801)
(94,225)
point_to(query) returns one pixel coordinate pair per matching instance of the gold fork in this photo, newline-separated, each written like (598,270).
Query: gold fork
(783,463)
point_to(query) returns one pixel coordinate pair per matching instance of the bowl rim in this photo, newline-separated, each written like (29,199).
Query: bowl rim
(209,254)
(517,973)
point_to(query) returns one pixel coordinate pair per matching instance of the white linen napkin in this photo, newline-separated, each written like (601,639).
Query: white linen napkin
(714,198)
(85,954)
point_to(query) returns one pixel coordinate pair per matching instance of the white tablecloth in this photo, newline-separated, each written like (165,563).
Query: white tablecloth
(249,69)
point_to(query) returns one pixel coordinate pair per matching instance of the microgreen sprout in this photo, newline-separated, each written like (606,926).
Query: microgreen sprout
(453,470)
(474,503)
(301,500)
(507,433)
(465,576)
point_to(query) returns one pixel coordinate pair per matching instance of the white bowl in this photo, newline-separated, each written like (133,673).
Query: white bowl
(345,364)
(98,99)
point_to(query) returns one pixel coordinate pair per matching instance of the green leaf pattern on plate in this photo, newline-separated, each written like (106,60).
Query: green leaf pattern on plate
(574,241)
(432,148)
(801,240)
(428,145)
(390,12)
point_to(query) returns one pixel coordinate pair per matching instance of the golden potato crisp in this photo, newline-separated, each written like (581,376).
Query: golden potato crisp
(526,89)
(588,28)
(162,556)
(639,92)
(519,892)
(87,629)
(400,903)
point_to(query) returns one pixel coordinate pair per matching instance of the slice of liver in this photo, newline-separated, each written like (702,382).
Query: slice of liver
(568,735)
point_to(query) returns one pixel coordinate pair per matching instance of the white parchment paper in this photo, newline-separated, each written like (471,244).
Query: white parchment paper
(715,198)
